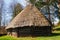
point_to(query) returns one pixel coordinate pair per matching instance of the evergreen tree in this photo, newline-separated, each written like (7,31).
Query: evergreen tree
(17,9)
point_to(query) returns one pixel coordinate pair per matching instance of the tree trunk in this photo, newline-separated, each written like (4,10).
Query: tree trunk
(49,13)
(1,13)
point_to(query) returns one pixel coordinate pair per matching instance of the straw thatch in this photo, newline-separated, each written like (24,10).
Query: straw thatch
(30,16)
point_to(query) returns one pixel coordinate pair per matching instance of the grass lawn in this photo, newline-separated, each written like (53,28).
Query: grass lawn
(54,36)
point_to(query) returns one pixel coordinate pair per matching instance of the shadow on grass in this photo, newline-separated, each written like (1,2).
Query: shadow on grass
(58,29)
(55,34)
(50,35)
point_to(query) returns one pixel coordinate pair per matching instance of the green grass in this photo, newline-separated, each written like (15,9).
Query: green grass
(7,38)
(55,36)
(30,38)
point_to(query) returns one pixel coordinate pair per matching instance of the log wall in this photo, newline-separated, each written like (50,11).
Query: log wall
(31,31)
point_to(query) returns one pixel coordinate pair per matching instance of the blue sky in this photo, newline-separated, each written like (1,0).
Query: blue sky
(7,11)
(23,2)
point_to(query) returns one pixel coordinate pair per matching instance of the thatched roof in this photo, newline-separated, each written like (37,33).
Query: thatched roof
(30,16)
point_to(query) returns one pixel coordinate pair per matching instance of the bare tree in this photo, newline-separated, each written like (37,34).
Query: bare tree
(1,4)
